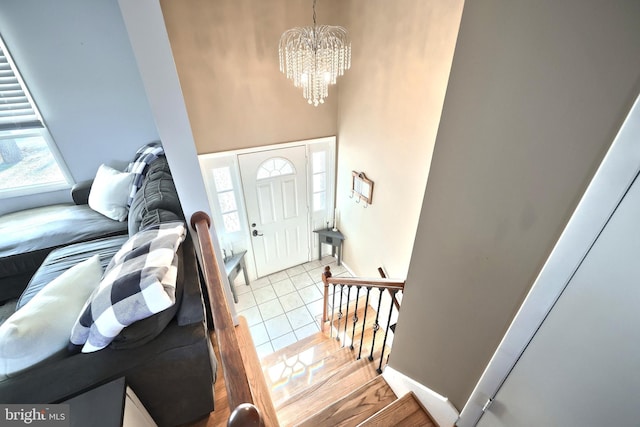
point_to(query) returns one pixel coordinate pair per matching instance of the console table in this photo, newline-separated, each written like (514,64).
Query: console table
(333,238)
(232,267)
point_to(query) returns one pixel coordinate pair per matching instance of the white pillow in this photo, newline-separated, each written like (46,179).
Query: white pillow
(42,327)
(110,192)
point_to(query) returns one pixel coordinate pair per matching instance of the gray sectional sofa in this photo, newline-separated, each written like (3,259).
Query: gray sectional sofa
(167,359)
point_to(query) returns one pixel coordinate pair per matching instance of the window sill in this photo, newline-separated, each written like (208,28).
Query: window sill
(33,190)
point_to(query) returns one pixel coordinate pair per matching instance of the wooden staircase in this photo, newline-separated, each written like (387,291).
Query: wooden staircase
(319,382)
(327,379)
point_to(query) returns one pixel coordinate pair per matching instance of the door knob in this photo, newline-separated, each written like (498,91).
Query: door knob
(255,233)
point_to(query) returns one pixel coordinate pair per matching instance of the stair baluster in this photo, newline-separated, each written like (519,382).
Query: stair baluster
(355,316)
(383,284)
(364,321)
(333,308)
(386,332)
(346,316)
(339,313)
(376,325)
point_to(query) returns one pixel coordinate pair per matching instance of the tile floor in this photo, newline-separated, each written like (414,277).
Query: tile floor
(286,306)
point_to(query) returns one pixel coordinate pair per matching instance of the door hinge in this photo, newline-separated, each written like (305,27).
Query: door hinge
(487,405)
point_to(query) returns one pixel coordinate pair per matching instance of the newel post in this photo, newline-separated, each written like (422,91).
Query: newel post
(245,415)
(325,275)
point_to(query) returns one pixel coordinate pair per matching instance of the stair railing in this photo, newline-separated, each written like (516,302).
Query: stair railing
(248,396)
(366,286)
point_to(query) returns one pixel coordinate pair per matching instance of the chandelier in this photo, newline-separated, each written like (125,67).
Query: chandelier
(313,57)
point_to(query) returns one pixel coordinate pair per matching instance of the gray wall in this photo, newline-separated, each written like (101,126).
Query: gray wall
(536,94)
(76,59)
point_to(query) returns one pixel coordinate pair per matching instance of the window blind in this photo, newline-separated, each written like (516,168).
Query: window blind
(17,111)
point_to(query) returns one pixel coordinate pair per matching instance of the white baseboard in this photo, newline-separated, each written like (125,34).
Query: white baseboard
(440,408)
(346,267)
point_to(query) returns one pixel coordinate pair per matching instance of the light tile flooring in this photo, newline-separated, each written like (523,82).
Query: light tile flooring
(286,306)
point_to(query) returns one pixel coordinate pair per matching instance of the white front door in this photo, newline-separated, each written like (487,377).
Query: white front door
(275,191)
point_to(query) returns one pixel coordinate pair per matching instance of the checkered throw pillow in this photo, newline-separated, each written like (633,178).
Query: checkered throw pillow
(146,155)
(139,281)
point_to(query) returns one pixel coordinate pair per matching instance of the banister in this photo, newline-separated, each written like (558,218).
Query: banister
(235,374)
(383,283)
(245,415)
(259,387)
(391,293)
(368,281)
(366,285)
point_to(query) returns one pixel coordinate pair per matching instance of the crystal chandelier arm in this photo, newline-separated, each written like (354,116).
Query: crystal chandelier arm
(314,13)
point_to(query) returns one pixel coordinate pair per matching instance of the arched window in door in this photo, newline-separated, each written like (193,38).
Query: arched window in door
(275,166)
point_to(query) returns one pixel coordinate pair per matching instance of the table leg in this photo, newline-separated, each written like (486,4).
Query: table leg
(244,271)
(233,291)
(340,254)
(319,249)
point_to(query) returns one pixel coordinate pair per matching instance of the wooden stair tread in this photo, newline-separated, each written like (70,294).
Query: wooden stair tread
(324,392)
(406,411)
(355,407)
(296,348)
(289,379)
(295,367)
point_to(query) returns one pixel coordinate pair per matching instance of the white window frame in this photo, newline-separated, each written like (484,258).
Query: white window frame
(29,124)
(320,218)
(228,241)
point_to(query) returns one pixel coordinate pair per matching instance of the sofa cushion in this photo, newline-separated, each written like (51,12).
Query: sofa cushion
(41,328)
(139,282)
(157,194)
(135,212)
(110,192)
(62,259)
(136,334)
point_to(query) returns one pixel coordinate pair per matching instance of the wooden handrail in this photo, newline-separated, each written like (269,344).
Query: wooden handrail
(235,374)
(259,388)
(367,281)
(391,293)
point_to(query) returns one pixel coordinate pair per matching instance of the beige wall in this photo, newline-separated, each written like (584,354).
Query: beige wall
(387,106)
(537,93)
(226,53)
(389,110)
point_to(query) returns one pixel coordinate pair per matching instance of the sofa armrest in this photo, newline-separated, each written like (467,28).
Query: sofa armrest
(191,309)
(80,192)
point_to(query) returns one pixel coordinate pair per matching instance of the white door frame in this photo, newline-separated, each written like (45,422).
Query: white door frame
(242,240)
(614,176)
